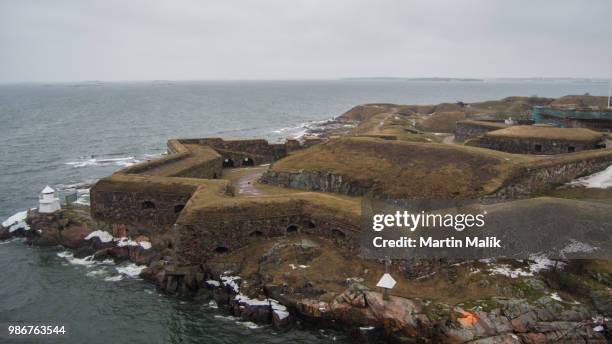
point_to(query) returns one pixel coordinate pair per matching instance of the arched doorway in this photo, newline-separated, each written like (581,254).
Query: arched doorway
(228,163)
(148,205)
(292,229)
(221,250)
(247,162)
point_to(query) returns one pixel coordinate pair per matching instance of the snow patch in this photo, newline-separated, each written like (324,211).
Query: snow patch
(576,246)
(103,236)
(537,263)
(213,283)
(145,244)
(16,221)
(556,297)
(124,241)
(541,262)
(600,180)
(293,267)
(230,281)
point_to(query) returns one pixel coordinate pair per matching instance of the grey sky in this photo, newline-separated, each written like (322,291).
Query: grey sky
(283,39)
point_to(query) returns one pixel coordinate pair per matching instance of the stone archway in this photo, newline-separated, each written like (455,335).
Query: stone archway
(291,229)
(248,162)
(178,208)
(147,205)
(228,163)
(221,250)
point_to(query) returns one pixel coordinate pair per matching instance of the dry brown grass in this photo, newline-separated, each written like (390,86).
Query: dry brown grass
(546,133)
(328,267)
(407,169)
(442,121)
(486,124)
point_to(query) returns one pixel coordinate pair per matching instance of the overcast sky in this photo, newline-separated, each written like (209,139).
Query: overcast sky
(296,39)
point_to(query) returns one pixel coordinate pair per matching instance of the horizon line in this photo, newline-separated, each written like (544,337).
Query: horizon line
(349,78)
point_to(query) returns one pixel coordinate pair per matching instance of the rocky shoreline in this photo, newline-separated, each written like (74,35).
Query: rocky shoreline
(358,310)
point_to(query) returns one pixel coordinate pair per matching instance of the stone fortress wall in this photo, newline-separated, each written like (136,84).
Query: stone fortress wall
(153,193)
(183,192)
(555,171)
(214,230)
(527,178)
(535,145)
(469,129)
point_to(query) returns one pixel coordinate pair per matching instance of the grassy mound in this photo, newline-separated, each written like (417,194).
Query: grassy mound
(546,133)
(407,169)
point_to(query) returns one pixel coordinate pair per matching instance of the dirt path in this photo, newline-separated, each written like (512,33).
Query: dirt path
(245,184)
(449,140)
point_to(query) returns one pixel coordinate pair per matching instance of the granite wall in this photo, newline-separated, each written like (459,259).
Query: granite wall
(151,210)
(196,242)
(534,145)
(466,130)
(547,176)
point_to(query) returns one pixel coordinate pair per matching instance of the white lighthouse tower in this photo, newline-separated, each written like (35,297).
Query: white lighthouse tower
(47,202)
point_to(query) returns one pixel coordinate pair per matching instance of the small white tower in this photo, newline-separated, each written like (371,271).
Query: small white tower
(47,202)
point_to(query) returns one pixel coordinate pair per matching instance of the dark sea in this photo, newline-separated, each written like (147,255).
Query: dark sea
(69,135)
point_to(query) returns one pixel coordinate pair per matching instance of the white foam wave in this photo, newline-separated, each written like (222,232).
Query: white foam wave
(87,261)
(99,272)
(131,270)
(213,304)
(248,324)
(89,162)
(299,131)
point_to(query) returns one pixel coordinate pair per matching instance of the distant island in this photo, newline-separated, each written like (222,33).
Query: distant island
(389,78)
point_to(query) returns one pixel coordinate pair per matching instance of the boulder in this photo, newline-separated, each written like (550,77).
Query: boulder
(74,237)
(4,233)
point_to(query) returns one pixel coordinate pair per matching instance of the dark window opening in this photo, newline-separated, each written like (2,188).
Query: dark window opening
(538,148)
(227,162)
(221,249)
(214,176)
(292,229)
(178,208)
(148,205)
(309,224)
(256,234)
(338,234)
(571,149)
(247,162)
